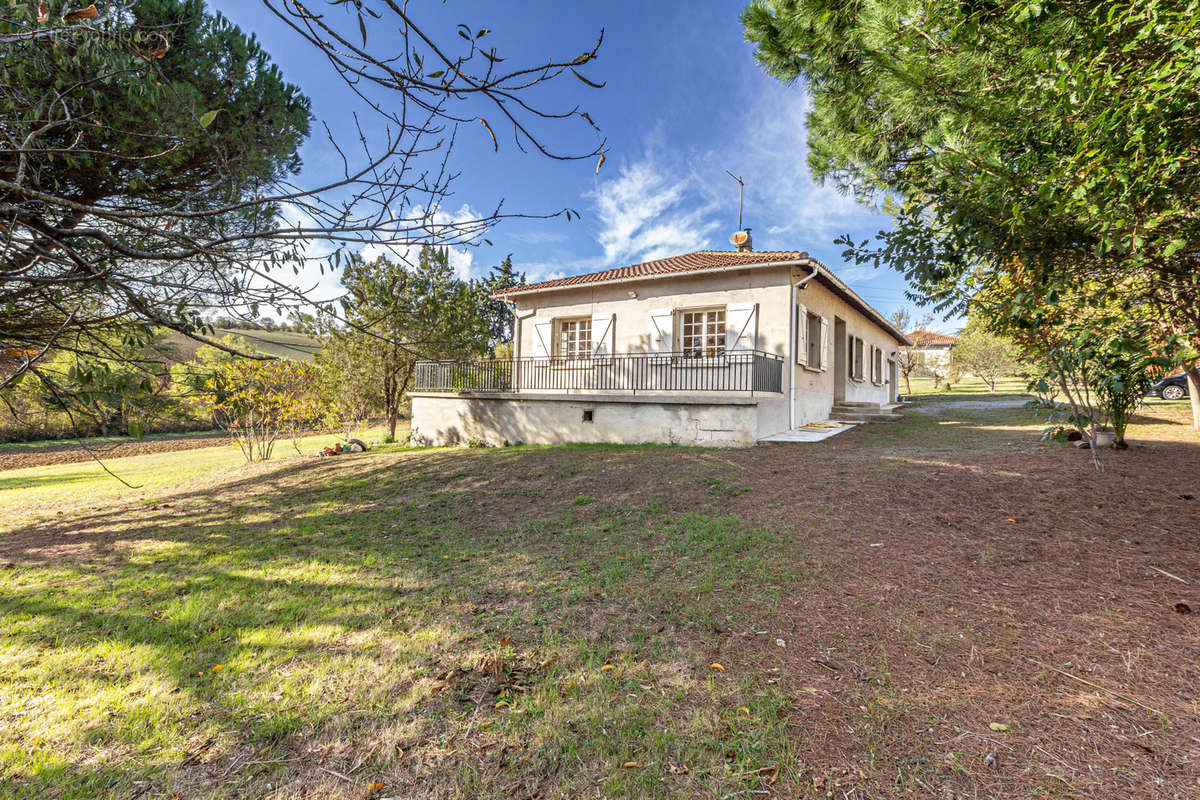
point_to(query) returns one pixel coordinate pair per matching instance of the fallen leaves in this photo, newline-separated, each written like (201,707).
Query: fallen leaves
(999,727)
(717,666)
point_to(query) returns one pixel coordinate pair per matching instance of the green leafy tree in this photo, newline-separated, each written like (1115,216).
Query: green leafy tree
(126,388)
(397,314)
(134,143)
(1098,358)
(191,380)
(1057,138)
(497,316)
(984,354)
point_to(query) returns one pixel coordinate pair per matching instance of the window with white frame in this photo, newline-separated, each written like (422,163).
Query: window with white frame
(575,338)
(702,332)
(876,365)
(814,340)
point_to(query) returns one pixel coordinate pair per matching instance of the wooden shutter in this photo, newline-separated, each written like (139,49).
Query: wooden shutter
(824,352)
(603,335)
(800,344)
(741,326)
(543,336)
(662,330)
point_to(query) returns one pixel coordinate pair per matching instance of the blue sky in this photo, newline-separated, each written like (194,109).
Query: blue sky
(684,100)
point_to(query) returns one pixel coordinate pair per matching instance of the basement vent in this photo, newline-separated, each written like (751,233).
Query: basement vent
(588,415)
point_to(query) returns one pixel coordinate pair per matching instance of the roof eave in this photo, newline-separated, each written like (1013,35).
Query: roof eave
(831,280)
(848,294)
(508,293)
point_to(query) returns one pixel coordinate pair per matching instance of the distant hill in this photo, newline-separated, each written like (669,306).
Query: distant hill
(285,344)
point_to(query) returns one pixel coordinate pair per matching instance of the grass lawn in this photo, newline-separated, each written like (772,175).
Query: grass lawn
(940,607)
(965,386)
(94,441)
(78,488)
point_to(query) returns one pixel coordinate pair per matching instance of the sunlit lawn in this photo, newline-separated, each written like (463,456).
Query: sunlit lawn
(520,621)
(365,602)
(968,385)
(83,485)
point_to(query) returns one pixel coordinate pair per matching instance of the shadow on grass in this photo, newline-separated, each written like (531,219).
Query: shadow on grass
(300,576)
(269,611)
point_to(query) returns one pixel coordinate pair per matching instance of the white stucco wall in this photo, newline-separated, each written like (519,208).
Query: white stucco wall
(633,329)
(815,388)
(449,419)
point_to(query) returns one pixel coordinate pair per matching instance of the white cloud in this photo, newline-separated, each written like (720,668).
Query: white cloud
(649,209)
(667,202)
(768,148)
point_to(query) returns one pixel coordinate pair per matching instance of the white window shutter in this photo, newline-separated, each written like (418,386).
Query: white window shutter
(662,330)
(741,326)
(824,343)
(543,335)
(603,335)
(801,341)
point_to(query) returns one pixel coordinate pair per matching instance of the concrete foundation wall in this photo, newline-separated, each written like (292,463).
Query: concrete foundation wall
(449,419)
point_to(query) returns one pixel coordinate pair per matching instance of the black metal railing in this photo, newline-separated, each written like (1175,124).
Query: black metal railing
(747,371)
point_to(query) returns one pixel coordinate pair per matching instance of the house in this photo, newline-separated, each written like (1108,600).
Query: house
(720,348)
(933,348)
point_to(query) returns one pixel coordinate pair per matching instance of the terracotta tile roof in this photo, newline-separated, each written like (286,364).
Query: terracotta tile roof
(706,260)
(924,338)
(688,262)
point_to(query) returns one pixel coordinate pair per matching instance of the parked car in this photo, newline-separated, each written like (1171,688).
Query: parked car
(1171,388)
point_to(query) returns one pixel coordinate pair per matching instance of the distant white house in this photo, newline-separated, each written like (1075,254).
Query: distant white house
(717,348)
(933,347)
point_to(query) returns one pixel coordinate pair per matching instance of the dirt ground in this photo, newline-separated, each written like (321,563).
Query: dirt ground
(971,613)
(17,457)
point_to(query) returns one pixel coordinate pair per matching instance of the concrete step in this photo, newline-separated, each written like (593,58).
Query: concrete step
(863,415)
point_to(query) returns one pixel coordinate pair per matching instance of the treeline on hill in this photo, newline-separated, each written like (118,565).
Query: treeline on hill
(360,369)
(222,322)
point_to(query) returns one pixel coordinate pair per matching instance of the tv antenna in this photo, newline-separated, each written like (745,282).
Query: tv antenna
(741,191)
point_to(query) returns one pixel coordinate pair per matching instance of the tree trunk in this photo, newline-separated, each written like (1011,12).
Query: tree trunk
(1193,382)
(907,386)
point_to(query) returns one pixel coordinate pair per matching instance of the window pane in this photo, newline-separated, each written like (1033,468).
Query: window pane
(575,339)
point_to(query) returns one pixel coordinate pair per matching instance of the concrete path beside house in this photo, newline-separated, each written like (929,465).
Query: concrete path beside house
(805,435)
